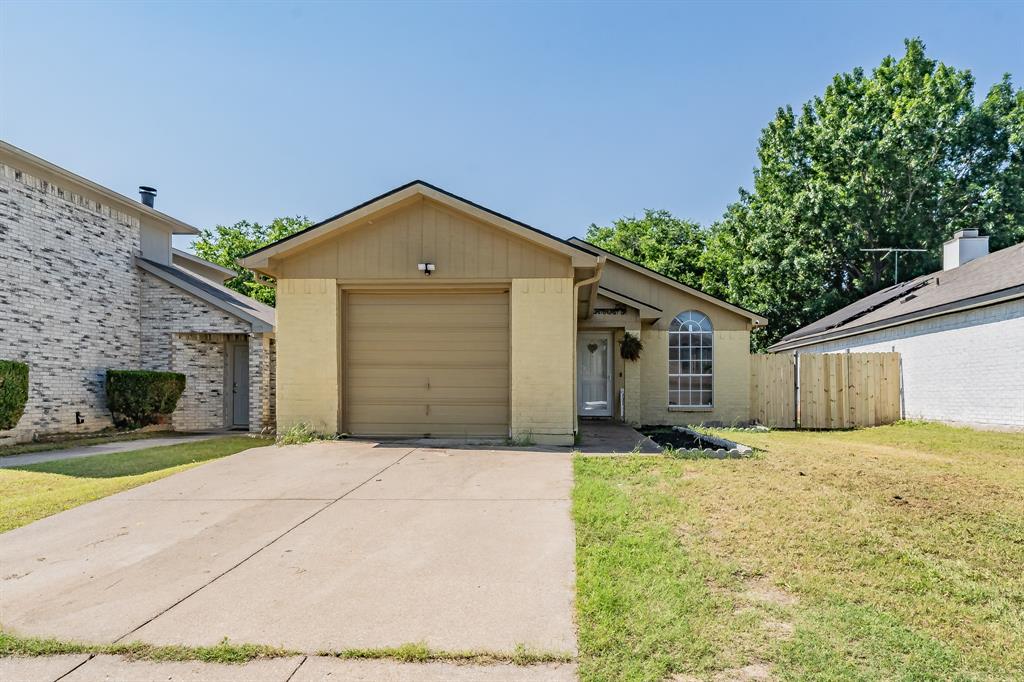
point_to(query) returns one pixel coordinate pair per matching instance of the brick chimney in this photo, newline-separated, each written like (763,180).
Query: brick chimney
(964,247)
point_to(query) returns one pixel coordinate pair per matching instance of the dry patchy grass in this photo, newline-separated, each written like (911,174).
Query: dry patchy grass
(892,553)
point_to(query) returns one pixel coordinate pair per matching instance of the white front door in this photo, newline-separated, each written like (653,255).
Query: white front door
(594,374)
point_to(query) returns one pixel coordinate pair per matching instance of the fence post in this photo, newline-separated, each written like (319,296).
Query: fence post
(796,389)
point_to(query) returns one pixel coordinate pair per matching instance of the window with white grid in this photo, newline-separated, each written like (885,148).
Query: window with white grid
(690,360)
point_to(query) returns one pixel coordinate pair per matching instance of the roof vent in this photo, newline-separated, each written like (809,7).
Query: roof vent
(964,247)
(148,195)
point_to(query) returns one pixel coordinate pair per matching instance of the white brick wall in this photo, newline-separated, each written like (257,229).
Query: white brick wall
(73,304)
(965,367)
(69,300)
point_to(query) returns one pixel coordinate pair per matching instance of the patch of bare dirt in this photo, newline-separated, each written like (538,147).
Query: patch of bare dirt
(763,591)
(779,629)
(754,671)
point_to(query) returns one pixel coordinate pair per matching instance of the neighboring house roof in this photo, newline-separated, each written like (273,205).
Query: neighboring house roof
(597,250)
(201,266)
(230,301)
(177,226)
(259,258)
(990,279)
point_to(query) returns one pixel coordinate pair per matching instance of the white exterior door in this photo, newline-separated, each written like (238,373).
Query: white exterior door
(594,374)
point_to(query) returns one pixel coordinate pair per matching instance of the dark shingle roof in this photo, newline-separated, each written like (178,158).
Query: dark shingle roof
(996,275)
(227,299)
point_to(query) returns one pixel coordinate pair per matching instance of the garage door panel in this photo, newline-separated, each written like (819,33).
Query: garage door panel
(439,420)
(419,364)
(454,395)
(429,358)
(407,377)
(440,316)
(469,340)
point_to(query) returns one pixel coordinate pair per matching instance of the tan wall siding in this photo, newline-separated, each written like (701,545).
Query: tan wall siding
(670,300)
(307,354)
(543,346)
(394,243)
(731,381)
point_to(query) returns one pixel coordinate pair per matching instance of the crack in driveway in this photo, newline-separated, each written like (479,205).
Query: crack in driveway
(263,547)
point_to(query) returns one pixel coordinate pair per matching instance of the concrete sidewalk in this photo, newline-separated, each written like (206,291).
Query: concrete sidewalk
(107,448)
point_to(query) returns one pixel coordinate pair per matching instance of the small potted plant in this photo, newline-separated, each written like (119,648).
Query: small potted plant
(630,347)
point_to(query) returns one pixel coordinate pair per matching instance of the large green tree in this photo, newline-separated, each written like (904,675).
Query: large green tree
(659,241)
(902,157)
(225,244)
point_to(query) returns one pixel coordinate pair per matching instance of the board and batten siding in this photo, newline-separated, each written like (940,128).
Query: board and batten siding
(962,368)
(390,246)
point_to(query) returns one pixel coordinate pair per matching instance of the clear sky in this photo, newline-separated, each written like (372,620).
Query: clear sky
(558,114)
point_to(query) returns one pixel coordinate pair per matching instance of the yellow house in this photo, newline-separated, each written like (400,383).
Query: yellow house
(420,313)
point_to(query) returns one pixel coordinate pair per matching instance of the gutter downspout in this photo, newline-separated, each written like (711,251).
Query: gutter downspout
(575,328)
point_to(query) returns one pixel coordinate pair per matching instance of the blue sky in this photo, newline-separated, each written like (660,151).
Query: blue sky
(557,114)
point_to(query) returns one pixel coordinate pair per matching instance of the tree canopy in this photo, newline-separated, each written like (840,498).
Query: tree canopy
(659,241)
(223,245)
(902,157)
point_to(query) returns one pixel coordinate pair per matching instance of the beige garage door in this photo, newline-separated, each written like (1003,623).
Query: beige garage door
(426,364)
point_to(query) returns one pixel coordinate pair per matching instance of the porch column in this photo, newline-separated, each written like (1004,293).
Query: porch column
(631,380)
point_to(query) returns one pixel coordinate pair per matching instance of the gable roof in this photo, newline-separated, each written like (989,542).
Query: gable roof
(654,274)
(261,316)
(260,257)
(33,161)
(990,279)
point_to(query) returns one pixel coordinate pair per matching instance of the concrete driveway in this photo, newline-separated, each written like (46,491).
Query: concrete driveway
(321,546)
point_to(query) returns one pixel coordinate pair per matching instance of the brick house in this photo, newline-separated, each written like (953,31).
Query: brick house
(89,282)
(959,333)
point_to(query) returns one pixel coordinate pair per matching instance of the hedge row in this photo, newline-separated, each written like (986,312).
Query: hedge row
(13,392)
(140,397)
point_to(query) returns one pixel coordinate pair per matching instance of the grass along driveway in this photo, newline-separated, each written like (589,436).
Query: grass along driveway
(893,552)
(34,491)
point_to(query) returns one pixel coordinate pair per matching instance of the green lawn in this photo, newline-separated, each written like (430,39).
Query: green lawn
(888,553)
(33,491)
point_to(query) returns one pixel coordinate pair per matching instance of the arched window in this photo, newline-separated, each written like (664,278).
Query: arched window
(690,360)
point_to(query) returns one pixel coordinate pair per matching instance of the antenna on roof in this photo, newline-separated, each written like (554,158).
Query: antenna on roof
(897,251)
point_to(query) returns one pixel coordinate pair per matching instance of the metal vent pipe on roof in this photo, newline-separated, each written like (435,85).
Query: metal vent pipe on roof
(148,195)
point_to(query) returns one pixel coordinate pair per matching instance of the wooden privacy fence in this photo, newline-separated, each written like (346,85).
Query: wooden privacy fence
(834,391)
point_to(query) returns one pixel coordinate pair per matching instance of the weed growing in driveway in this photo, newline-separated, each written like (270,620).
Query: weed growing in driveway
(224,652)
(301,433)
(230,653)
(419,652)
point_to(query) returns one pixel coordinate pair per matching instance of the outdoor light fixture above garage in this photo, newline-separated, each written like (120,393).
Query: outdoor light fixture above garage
(426,268)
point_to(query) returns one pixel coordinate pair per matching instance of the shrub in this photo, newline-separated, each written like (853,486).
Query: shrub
(139,397)
(13,392)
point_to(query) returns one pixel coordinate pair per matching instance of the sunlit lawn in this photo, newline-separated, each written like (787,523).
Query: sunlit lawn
(33,491)
(888,553)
